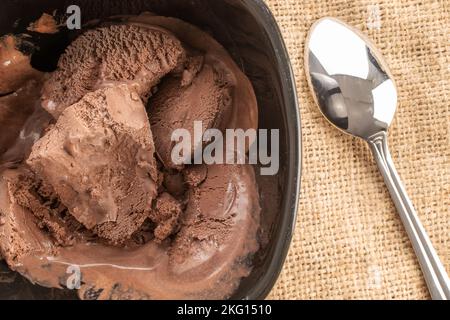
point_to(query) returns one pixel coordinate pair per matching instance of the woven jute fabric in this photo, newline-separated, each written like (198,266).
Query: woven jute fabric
(349,242)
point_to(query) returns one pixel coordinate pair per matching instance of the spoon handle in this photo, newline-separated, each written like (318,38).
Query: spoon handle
(433,270)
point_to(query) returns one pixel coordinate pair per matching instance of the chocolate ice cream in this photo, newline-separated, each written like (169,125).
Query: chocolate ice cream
(22,119)
(15,67)
(205,259)
(178,104)
(45,24)
(211,89)
(95,187)
(98,158)
(108,56)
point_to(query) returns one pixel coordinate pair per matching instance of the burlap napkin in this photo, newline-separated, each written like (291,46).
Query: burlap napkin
(349,242)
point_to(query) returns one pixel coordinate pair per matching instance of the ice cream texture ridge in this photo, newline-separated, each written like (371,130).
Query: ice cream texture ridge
(86,177)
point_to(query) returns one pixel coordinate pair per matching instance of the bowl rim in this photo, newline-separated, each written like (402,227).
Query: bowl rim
(266,282)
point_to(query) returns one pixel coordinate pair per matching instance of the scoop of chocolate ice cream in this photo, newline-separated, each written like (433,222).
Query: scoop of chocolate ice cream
(110,55)
(244,109)
(99,158)
(177,105)
(222,212)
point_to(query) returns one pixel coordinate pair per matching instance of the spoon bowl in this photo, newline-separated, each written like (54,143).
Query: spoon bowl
(352,85)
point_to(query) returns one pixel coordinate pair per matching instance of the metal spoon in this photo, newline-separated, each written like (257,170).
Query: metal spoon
(355,91)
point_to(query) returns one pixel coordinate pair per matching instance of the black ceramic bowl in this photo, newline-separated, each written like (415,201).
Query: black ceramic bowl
(247,29)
